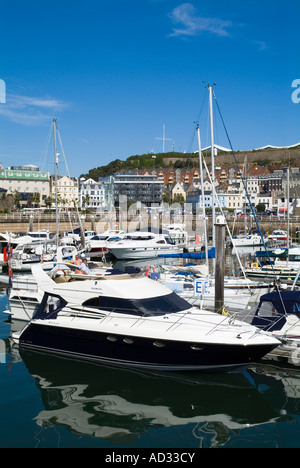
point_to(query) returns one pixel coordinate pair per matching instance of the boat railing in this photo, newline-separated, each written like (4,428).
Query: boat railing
(138,318)
(24,283)
(231,319)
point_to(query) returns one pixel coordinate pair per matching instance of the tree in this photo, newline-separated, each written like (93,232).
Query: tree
(17,198)
(75,202)
(48,201)
(85,200)
(261,208)
(165,198)
(178,198)
(36,198)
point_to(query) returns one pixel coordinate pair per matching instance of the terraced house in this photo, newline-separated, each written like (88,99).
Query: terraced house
(67,189)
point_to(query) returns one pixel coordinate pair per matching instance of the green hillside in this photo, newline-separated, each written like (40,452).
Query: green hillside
(272,158)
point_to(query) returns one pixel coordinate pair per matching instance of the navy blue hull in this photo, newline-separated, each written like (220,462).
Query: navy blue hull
(139,352)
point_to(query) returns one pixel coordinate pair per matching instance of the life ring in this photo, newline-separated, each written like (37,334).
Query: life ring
(60,269)
(254,265)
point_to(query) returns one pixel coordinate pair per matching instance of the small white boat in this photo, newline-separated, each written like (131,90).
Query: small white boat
(250,240)
(279,238)
(272,273)
(98,245)
(35,237)
(178,233)
(278,313)
(27,255)
(197,287)
(292,259)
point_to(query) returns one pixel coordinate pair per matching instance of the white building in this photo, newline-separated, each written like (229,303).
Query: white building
(91,194)
(252,185)
(67,191)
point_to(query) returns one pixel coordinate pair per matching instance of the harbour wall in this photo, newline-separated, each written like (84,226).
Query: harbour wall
(18,226)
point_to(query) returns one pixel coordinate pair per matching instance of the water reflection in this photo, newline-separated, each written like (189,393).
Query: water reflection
(120,405)
(279,385)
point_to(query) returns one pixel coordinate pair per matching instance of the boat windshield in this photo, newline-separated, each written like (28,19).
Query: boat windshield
(50,306)
(161,305)
(99,238)
(38,235)
(113,239)
(169,240)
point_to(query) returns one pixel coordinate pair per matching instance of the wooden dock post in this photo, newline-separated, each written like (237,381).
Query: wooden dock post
(82,231)
(219,263)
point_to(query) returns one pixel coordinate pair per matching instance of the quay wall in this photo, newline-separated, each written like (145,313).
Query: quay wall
(18,226)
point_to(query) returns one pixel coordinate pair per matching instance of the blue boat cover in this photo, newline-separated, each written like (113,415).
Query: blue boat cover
(193,255)
(274,307)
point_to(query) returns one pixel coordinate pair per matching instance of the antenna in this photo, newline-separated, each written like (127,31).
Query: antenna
(164,139)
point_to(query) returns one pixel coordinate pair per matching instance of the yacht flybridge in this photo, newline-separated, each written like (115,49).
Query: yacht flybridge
(144,244)
(134,321)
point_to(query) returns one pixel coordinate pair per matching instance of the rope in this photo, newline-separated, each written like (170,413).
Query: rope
(249,200)
(76,206)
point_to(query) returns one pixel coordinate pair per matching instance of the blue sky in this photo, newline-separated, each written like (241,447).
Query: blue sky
(113,72)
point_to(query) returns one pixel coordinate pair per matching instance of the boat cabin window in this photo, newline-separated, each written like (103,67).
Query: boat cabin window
(171,303)
(268,309)
(38,235)
(295,258)
(188,287)
(170,240)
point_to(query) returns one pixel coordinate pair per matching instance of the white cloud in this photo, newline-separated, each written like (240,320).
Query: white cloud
(28,110)
(193,25)
(261,45)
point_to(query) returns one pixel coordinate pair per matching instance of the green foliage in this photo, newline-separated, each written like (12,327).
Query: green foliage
(142,162)
(178,198)
(261,208)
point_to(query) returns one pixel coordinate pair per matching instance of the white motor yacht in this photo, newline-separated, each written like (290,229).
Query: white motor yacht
(141,244)
(98,245)
(137,322)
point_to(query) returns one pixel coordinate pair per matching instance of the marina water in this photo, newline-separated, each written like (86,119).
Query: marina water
(51,402)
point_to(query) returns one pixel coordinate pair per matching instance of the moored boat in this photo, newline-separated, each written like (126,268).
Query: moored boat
(279,238)
(278,313)
(137,322)
(141,244)
(250,240)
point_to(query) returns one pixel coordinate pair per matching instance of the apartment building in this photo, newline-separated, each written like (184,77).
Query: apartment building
(28,181)
(67,191)
(91,194)
(146,189)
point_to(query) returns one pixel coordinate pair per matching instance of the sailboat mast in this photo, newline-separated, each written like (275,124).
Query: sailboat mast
(203,198)
(288,215)
(245,205)
(55,179)
(210,89)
